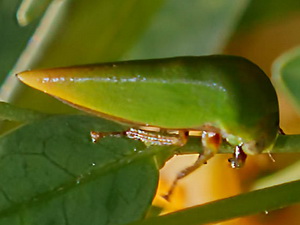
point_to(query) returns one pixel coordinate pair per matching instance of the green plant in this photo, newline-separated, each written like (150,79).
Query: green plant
(51,172)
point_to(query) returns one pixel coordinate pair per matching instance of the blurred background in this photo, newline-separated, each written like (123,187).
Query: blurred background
(54,33)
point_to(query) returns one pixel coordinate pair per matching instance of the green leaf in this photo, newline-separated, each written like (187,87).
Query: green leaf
(52,173)
(260,201)
(286,70)
(198,28)
(13,113)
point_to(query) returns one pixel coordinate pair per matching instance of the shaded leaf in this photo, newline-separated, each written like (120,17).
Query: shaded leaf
(198,28)
(51,173)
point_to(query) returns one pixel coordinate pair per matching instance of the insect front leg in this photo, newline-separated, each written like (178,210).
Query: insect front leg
(211,142)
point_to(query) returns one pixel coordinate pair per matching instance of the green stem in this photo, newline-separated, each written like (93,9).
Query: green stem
(283,144)
(13,113)
(241,205)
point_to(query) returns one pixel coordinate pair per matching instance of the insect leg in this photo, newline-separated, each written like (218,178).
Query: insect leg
(156,138)
(211,142)
(96,136)
(147,137)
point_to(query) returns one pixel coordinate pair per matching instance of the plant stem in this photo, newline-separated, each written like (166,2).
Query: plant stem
(241,205)
(283,144)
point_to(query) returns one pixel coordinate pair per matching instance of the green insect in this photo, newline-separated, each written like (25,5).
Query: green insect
(225,98)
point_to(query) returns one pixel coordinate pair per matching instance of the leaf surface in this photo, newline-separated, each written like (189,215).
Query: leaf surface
(52,173)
